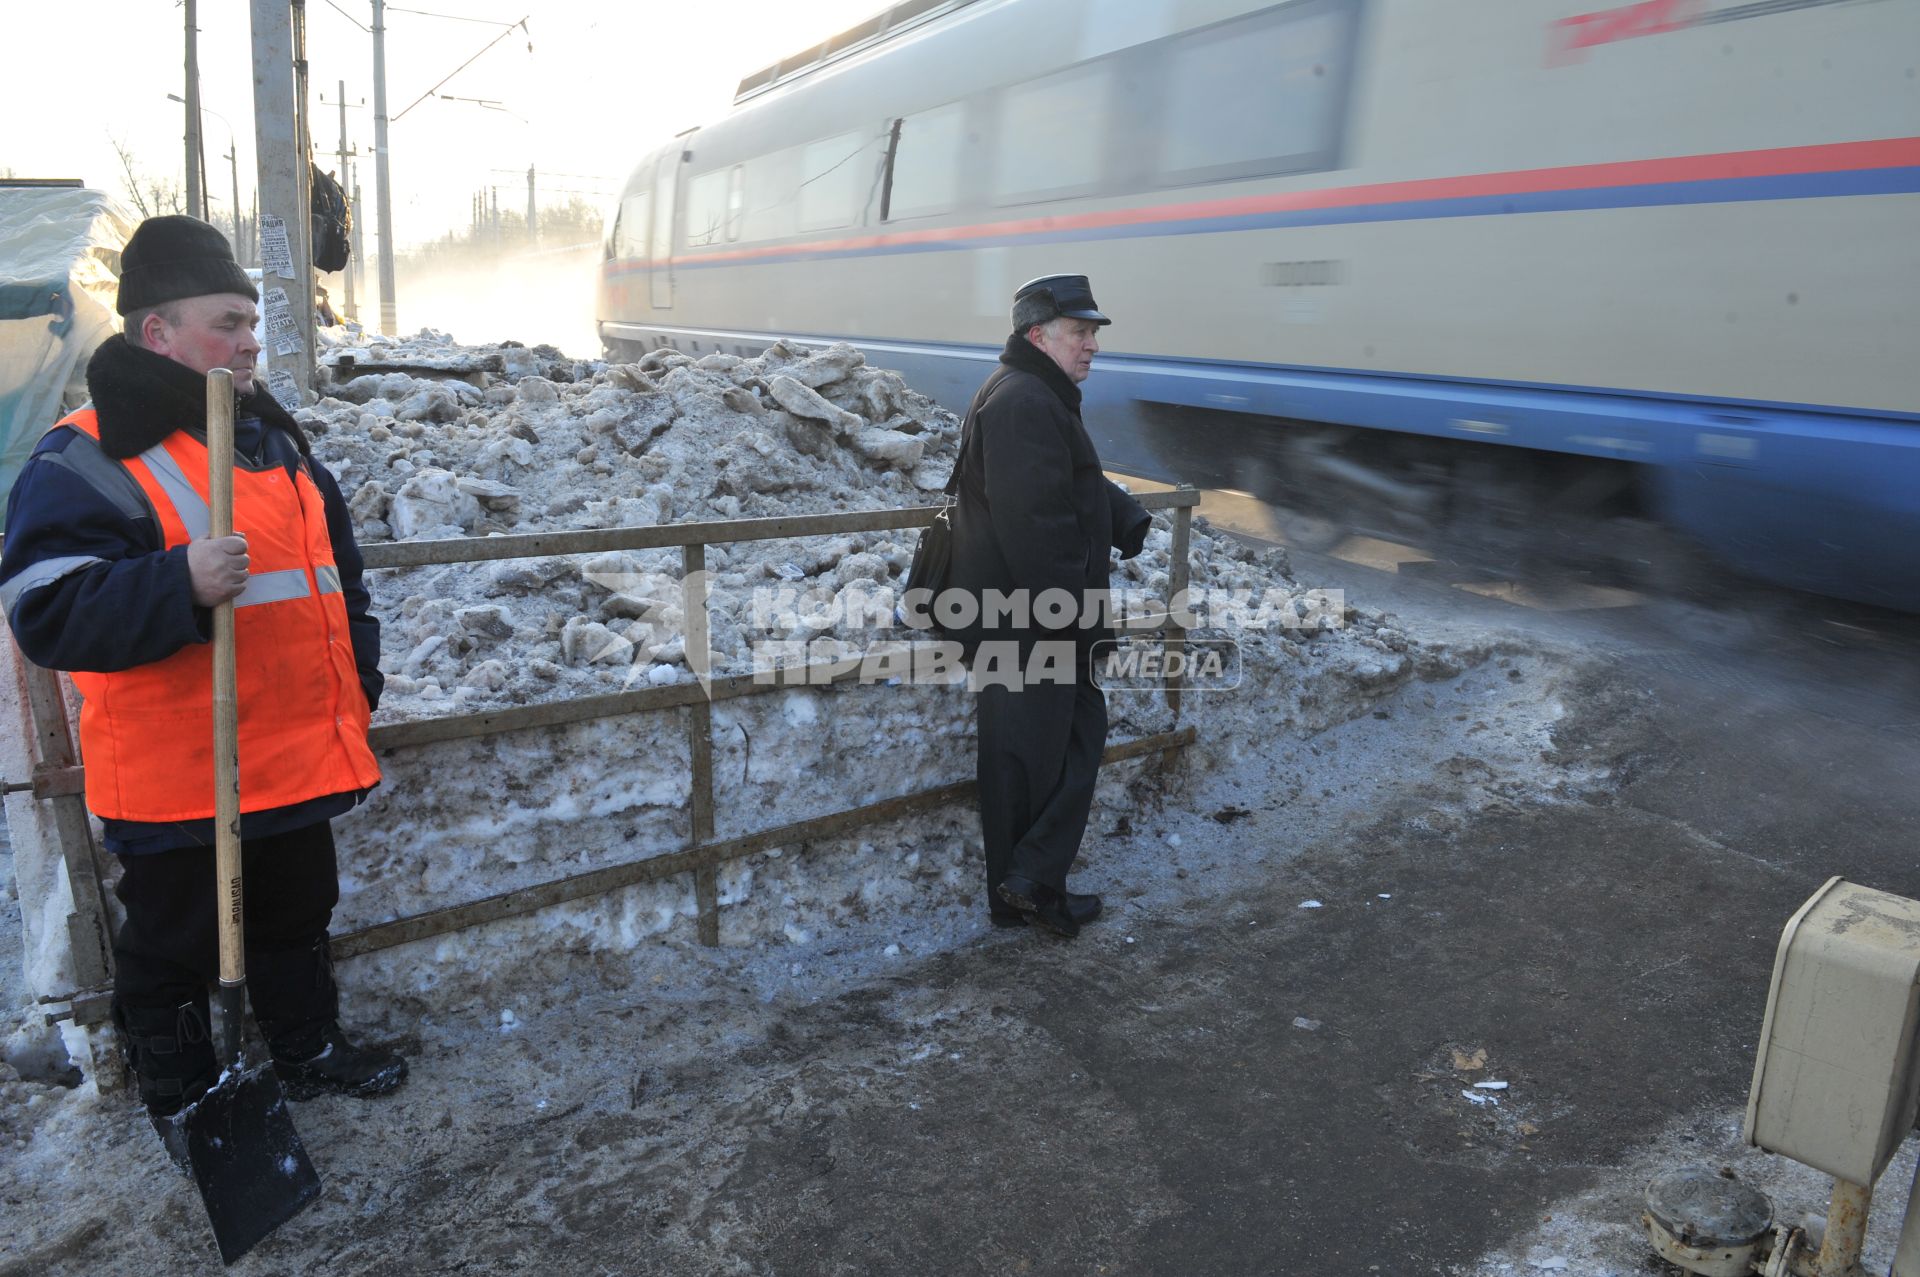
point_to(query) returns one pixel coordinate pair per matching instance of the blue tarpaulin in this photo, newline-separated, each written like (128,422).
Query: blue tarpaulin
(59,272)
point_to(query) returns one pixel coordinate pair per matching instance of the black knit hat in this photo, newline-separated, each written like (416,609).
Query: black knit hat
(173,257)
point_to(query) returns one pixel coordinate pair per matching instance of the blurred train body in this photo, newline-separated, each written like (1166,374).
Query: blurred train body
(1658,259)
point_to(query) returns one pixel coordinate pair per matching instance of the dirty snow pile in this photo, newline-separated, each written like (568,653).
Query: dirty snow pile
(666,440)
(544,443)
(553,445)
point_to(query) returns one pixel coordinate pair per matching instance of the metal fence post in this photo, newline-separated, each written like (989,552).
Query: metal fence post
(1182,577)
(706,886)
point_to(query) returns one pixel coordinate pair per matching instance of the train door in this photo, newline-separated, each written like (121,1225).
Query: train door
(666,216)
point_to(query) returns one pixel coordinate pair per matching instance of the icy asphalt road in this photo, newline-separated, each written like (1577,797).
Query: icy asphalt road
(1214,1079)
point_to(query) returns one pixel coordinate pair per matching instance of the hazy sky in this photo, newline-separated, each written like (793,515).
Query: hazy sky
(605,79)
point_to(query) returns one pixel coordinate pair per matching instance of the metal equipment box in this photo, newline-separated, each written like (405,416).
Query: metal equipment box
(1835,1082)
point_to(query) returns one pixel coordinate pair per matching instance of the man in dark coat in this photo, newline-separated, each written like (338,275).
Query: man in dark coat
(1034,521)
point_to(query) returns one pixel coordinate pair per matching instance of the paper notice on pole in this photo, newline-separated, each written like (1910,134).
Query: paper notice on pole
(283,330)
(284,388)
(276,255)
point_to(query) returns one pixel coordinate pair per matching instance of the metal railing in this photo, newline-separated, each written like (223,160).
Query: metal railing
(705,852)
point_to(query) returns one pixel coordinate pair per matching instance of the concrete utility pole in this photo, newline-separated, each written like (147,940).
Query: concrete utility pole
(383,185)
(346,184)
(286,254)
(196,196)
(358,260)
(233,164)
(533,220)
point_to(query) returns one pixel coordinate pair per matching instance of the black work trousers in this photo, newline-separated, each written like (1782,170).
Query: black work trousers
(1039,756)
(168,950)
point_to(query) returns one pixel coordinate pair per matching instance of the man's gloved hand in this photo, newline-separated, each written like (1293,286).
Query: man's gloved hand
(218,568)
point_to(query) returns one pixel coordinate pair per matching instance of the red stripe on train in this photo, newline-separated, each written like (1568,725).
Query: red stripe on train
(1832,157)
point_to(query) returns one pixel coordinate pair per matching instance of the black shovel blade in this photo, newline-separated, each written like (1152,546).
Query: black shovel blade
(247,1160)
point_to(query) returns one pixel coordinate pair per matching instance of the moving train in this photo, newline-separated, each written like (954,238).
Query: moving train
(1496,268)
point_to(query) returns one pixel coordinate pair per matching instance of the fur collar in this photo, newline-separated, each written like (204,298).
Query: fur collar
(1024,356)
(141,398)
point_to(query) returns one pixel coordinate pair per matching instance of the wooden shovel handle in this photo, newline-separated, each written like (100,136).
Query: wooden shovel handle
(226,700)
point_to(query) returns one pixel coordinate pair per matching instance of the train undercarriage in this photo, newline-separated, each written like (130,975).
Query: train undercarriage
(1485,510)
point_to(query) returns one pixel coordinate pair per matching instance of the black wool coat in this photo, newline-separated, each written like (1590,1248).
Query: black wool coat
(1033,510)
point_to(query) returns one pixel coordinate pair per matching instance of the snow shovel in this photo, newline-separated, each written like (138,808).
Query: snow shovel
(238,1139)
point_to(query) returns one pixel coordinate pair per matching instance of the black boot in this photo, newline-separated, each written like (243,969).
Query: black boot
(170,1051)
(341,1068)
(171,1054)
(296,1004)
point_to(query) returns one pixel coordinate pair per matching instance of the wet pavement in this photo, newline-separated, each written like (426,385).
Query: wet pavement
(1225,1082)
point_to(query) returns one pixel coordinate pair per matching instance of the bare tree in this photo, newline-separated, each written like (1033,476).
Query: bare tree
(576,221)
(151,195)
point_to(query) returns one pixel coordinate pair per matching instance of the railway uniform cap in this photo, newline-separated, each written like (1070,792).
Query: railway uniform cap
(172,257)
(1039,300)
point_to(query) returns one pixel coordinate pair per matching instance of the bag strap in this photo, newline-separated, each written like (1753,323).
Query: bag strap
(959,456)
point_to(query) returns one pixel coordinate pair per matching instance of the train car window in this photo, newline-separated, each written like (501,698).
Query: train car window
(1259,95)
(660,243)
(1053,135)
(630,234)
(927,162)
(835,173)
(736,201)
(707,208)
(768,205)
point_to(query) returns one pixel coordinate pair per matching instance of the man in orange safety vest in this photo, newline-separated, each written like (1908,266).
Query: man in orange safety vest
(109,572)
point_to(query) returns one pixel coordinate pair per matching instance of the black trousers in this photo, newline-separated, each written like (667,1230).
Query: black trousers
(168,950)
(1039,756)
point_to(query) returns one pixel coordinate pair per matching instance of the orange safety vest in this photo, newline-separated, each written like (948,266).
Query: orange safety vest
(146,734)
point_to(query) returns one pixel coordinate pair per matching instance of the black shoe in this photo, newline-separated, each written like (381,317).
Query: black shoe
(341,1068)
(1084,908)
(1041,905)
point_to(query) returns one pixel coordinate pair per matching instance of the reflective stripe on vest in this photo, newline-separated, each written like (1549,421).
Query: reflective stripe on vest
(273,587)
(45,572)
(187,505)
(147,732)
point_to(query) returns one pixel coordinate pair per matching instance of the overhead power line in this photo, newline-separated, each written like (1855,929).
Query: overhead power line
(348,16)
(522,24)
(455,17)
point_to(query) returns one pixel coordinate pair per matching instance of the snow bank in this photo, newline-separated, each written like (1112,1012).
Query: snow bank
(475,441)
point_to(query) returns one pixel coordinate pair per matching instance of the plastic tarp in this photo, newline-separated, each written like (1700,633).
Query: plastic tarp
(59,273)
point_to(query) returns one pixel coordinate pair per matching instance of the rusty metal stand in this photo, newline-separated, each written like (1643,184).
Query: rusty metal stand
(52,844)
